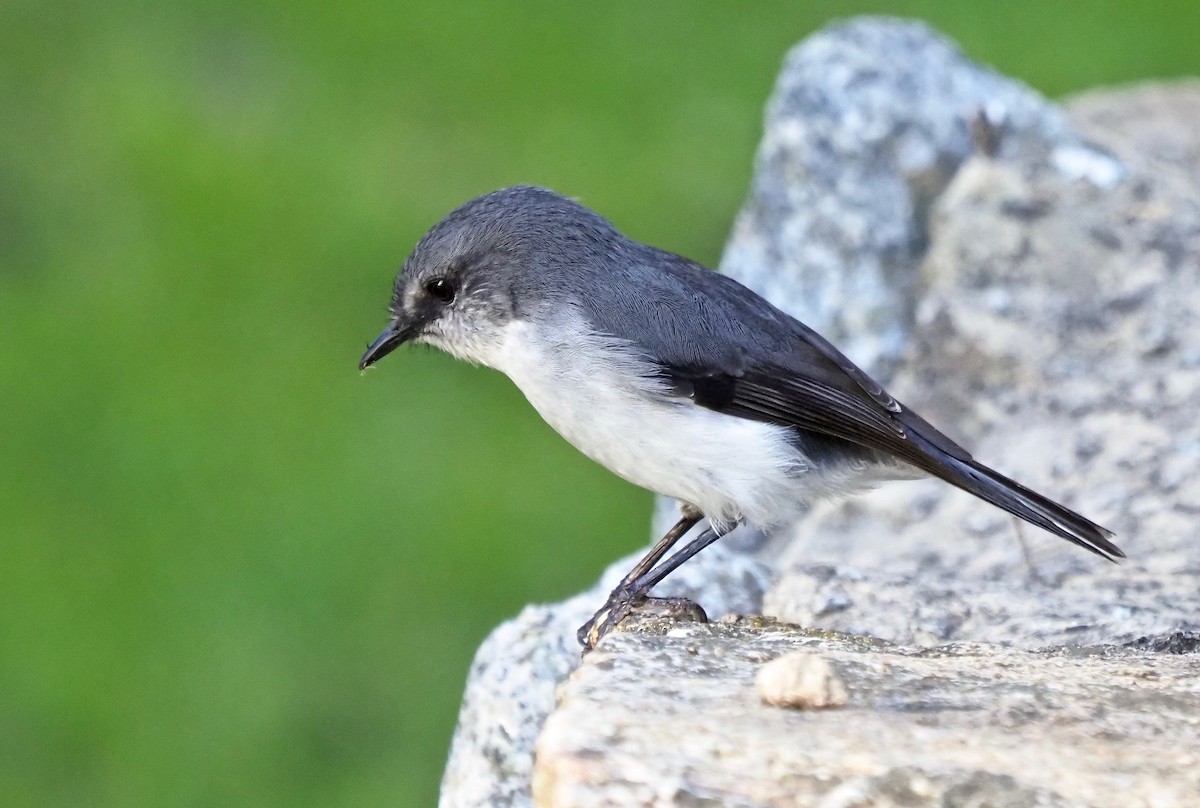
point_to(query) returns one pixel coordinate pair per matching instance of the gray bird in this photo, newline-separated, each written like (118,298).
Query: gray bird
(675,377)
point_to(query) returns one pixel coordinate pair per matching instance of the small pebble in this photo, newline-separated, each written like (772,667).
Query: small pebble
(801,680)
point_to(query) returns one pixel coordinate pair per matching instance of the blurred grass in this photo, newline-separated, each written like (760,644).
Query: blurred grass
(234,570)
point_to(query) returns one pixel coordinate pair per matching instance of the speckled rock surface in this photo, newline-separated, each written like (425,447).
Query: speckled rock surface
(1032,289)
(868,122)
(510,688)
(1058,337)
(673,719)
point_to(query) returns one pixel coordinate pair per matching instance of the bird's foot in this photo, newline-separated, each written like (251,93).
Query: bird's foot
(618,606)
(680,610)
(622,604)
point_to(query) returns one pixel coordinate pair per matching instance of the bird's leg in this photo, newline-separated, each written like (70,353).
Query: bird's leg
(686,522)
(651,578)
(628,595)
(636,595)
(623,599)
(624,592)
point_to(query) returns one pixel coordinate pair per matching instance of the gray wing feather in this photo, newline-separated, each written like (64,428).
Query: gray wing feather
(727,348)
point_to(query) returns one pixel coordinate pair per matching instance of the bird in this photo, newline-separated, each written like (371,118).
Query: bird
(673,376)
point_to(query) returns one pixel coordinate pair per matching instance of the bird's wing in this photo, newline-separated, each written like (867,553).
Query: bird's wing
(815,402)
(710,339)
(727,349)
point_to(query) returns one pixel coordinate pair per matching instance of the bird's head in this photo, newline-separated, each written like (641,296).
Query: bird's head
(486,264)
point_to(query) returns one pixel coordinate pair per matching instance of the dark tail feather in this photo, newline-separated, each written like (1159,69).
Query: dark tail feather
(1035,508)
(978,479)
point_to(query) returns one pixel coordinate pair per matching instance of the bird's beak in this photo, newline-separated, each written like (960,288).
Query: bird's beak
(395,335)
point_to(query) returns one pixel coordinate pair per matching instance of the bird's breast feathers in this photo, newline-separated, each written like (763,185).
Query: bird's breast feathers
(606,401)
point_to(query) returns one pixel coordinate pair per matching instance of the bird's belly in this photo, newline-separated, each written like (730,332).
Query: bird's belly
(730,468)
(727,467)
(724,466)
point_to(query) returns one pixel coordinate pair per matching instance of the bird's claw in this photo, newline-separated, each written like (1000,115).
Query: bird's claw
(618,606)
(621,605)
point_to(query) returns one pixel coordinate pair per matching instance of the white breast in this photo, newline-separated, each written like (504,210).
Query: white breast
(730,468)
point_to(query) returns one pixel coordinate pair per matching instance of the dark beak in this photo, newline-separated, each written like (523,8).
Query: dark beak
(392,338)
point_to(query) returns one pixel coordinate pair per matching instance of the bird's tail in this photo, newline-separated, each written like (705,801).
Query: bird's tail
(976,478)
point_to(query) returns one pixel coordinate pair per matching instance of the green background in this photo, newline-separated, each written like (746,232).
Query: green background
(233,570)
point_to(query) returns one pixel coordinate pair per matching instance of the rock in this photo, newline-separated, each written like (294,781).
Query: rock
(662,720)
(869,121)
(1054,344)
(931,607)
(801,680)
(511,685)
(1028,280)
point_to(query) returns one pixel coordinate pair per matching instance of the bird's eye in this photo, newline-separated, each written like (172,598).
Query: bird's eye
(441,289)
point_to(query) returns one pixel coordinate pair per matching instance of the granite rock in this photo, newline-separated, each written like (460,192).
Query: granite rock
(1056,336)
(511,685)
(669,716)
(868,122)
(1026,277)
